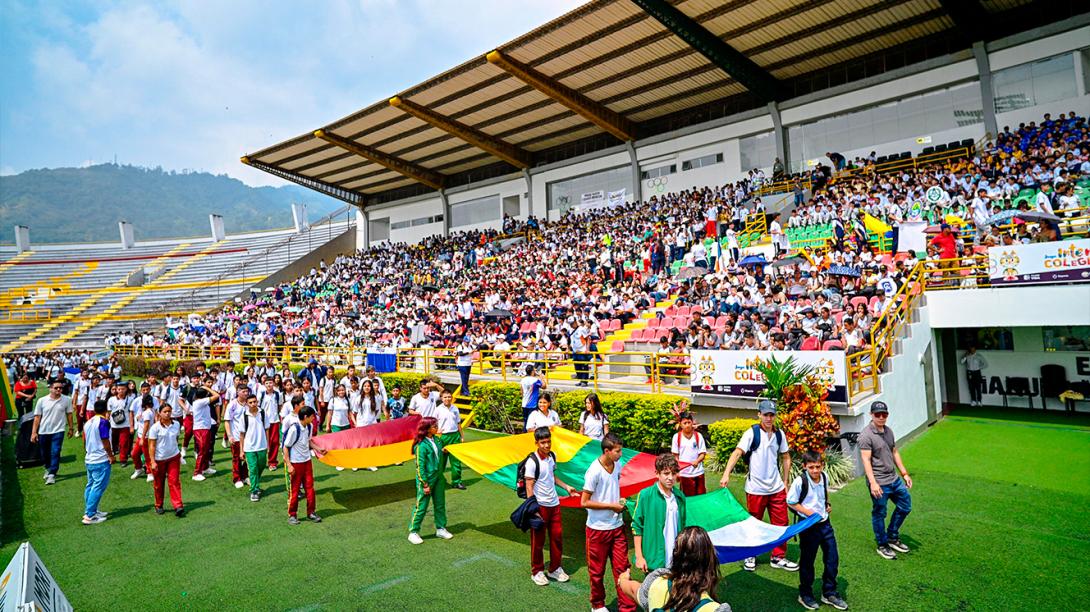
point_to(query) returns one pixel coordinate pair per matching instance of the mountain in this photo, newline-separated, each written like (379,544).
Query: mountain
(85,204)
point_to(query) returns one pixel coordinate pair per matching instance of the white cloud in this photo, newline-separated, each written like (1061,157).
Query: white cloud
(7,171)
(200,84)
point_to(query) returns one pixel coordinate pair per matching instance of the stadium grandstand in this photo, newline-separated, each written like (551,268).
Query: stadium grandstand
(874,213)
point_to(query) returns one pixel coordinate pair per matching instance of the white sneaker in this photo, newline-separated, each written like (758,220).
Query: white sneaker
(102,514)
(247,482)
(137,474)
(198,477)
(340,469)
(373,469)
(415,538)
(750,564)
(443,533)
(183,458)
(93,520)
(209,471)
(540,579)
(151,477)
(353,469)
(45,474)
(559,575)
(238,484)
(784,564)
(602,609)
(223,442)
(50,479)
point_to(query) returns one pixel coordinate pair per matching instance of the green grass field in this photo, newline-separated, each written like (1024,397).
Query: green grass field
(1000,521)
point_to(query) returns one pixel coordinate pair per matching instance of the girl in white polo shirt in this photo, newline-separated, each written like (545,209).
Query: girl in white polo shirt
(164,459)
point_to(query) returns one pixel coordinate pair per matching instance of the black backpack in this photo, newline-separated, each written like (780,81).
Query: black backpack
(119,415)
(520,472)
(756,442)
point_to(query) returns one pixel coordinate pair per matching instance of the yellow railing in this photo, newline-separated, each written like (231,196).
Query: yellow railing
(906,164)
(967,272)
(864,366)
(756,223)
(782,186)
(25,315)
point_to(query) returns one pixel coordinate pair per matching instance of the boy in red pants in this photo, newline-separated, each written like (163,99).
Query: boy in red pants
(297,447)
(606,539)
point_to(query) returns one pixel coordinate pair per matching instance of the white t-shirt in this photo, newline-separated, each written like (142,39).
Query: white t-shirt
(531,389)
(544,480)
(764,464)
(202,413)
(255,438)
(53,413)
(173,396)
(233,415)
(94,449)
(670,526)
(815,497)
(340,408)
(424,406)
(540,419)
(270,404)
(166,439)
(603,487)
(367,412)
(297,441)
(448,418)
(593,426)
(122,405)
(689,450)
(145,417)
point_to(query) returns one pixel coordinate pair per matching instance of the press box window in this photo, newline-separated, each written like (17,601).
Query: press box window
(657,172)
(700,162)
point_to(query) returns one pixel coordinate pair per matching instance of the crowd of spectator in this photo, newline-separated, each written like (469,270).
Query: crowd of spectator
(548,286)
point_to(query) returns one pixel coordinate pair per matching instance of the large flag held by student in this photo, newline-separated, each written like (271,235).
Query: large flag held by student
(497,459)
(384,443)
(735,534)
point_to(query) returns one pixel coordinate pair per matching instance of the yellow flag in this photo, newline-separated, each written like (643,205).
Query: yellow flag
(875,225)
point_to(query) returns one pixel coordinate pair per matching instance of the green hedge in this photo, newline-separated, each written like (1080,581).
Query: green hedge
(724,436)
(643,421)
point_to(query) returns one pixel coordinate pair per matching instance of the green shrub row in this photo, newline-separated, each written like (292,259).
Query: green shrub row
(723,437)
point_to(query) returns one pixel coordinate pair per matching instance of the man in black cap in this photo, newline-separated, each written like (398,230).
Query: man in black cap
(882,464)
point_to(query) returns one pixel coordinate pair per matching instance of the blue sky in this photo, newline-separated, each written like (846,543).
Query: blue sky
(196,84)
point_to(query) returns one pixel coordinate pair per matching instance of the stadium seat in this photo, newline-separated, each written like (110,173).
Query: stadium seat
(617,346)
(810,344)
(832,345)
(721,321)
(874,302)
(857,300)
(654,323)
(968,142)
(927,151)
(682,311)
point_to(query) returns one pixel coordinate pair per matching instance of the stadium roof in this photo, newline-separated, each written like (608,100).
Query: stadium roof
(606,69)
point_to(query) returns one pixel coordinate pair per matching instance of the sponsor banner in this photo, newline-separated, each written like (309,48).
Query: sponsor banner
(1067,261)
(594,199)
(614,198)
(28,585)
(734,373)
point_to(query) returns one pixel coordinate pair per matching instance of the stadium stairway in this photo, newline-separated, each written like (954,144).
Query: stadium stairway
(87,303)
(128,299)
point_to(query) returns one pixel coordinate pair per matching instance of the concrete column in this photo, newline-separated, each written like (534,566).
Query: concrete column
(216,221)
(987,93)
(363,230)
(22,238)
(637,188)
(127,240)
(299,216)
(529,191)
(780,136)
(446,211)
(1082,71)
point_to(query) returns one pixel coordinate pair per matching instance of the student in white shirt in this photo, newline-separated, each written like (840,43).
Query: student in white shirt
(164,459)
(98,457)
(423,403)
(339,416)
(819,535)
(606,540)
(544,416)
(119,414)
(689,447)
(593,422)
(254,430)
(232,422)
(297,450)
(143,416)
(369,408)
(541,483)
(769,465)
(269,399)
(450,432)
(203,418)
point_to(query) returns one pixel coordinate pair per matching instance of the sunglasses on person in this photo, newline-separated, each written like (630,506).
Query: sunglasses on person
(57,388)
(880,415)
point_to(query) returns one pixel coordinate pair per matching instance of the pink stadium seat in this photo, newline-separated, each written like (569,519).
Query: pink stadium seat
(670,310)
(721,321)
(654,323)
(857,300)
(839,317)
(617,346)
(832,344)
(776,330)
(886,259)
(614,324)
(682,311)
(874,303)
(810,344)
(696,310)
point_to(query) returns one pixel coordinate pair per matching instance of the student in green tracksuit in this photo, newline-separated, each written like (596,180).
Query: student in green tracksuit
(430,484)
(658,517)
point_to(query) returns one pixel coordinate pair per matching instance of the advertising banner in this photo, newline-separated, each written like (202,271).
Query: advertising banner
(1067,261)
(734,373)
(28,585)
(593,199)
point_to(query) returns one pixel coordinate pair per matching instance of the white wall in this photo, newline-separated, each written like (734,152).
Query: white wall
(1011,306)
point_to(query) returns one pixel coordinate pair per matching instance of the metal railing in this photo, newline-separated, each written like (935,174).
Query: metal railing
(194,301)
(906,164)
(25,315)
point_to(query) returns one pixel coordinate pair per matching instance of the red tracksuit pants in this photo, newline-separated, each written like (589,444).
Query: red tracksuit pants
(138,454)
(168,470)
(121,439)
(274,444)
(777,513)
(603,546)
(301,473)
(238,463)
(692,485)
(551,530)
(202,443)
